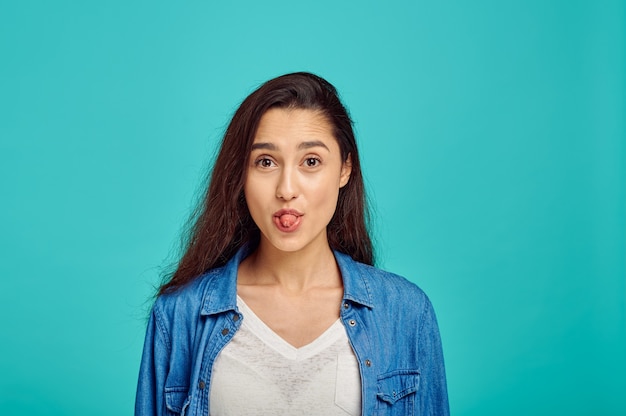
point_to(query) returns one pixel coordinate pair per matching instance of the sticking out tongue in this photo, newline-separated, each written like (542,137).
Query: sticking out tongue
(287,220)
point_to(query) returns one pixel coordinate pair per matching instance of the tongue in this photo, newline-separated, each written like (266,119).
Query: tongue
(287,220)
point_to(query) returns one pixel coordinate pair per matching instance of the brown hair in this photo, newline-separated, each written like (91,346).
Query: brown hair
(222,223)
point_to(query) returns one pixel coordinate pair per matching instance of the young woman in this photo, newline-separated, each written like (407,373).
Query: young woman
(275,307)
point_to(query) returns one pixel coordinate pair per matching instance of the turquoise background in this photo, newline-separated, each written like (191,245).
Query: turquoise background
(494,145)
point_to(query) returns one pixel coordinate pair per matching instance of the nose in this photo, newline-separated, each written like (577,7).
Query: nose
(287,188)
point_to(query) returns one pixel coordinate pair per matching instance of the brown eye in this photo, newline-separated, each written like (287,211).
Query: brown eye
(312,162)
(264,162)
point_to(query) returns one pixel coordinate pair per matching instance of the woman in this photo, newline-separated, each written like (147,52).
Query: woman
(275,307)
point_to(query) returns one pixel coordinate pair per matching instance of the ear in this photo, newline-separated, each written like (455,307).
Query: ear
(346,170)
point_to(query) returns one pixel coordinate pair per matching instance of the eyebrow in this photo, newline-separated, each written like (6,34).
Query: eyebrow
(314,143)
(264,146)
(301,146)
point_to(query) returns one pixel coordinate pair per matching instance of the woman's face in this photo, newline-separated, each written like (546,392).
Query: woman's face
(293,178)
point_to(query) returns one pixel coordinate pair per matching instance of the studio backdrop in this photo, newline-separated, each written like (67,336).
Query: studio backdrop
(493,141)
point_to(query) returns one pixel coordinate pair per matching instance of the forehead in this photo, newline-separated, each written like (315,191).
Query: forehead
(293,125)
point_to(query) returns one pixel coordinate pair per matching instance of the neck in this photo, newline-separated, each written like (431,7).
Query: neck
(295,271)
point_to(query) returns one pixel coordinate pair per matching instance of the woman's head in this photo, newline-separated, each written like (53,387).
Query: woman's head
(223,222)
(295,172)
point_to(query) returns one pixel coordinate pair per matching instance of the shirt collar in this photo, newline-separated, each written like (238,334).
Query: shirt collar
(355,286)
(221,293)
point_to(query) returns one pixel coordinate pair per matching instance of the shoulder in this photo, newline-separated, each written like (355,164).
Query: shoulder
(385,284)
(384,292)
(187,302)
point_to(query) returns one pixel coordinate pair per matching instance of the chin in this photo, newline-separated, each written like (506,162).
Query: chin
(285,244)
(287,247)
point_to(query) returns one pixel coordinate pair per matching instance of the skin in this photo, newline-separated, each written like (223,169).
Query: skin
(292,281)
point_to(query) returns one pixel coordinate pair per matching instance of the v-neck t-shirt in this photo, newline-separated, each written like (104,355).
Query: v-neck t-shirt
(259,373)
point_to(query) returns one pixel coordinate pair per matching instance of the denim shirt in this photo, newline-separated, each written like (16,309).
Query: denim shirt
(390,323)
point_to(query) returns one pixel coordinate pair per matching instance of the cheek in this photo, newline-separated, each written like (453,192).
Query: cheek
(326,194)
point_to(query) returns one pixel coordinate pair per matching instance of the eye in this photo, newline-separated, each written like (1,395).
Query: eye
(312,162)
(264,162)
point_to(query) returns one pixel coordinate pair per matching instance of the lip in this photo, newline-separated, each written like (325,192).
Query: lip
(286,211)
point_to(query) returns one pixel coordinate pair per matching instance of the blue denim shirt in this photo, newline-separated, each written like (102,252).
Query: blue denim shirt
(389,320)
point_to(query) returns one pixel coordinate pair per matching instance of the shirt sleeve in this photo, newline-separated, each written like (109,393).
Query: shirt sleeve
(150,398)
(434,398)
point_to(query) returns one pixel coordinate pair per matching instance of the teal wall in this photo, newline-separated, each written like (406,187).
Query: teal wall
(493,136)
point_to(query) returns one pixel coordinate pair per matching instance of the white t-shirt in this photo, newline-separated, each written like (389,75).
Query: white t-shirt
(259,373)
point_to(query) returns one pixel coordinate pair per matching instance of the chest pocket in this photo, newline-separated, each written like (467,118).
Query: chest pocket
(396,392)
(176,400)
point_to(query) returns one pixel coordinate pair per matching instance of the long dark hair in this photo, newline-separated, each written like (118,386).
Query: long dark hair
(222,223)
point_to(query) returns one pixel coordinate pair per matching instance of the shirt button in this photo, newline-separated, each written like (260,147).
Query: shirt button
(368,363)
(352,322)
(235,317)
(201,385)
(346,305)
(225,331)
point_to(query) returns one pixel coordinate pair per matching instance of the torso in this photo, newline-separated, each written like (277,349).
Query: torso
(389,322)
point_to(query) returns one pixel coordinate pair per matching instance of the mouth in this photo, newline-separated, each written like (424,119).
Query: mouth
(287,220)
